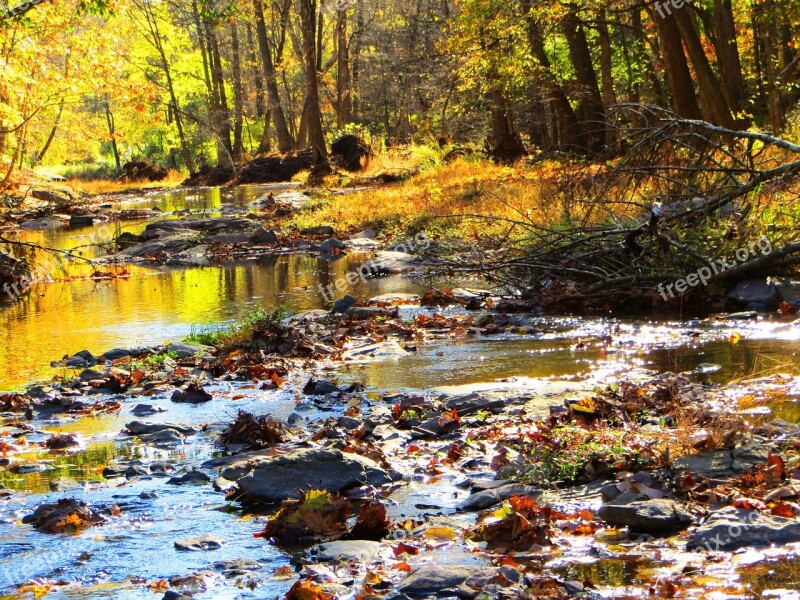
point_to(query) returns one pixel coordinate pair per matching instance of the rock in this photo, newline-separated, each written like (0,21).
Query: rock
(434,579)
(64,483)
(191,394)
(64,515)
(318,230)
(205,542)
(141,170)
(649,516)
(348,423)
(145,427)
(755,290)
(81,220)
(187,350)
(722,464)
(235,568)
(387,349)
(397,299)
(280,477)
(472,403)
(351,152)
(116,354)
(85,354)
(192,477)
(43,223)
(367,234)
(145,410)
(388,261)
(367,313)
(740,316)
(487,498)
(343,304)
(788,290)
(50,196)
(264,237)
(136,471)
(732,528)
(112,471)
(361,551)
(331,246)
(319,388)
(163,437)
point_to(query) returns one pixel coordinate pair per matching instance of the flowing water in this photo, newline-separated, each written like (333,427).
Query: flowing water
(155,305)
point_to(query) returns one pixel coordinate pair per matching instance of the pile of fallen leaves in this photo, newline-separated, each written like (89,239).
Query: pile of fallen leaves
(256,432)
(520,524)
(65,516)
(319,516)
(316,516)
(15,403)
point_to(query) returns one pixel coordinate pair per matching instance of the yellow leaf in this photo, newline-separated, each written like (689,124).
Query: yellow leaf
(440,533)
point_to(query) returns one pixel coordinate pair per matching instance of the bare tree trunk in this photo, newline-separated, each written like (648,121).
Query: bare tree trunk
(591,111)
(285,141)
(715,105)
(238,94)
(112,134)
(728,54)
(316,136)
(679,77)
(344,104)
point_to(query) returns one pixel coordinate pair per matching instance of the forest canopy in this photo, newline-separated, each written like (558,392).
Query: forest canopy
(184,83)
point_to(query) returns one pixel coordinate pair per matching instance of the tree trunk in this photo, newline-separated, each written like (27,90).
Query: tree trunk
(714,104)
(238,94)
(112,134)
(728,54)
(506,143)
(566,120)
(343,94)
(590,108)
(679,77)
(316,135)
(606,71)
(285,141)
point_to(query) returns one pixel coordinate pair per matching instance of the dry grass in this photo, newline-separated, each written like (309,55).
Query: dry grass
(115,186)
(437,197)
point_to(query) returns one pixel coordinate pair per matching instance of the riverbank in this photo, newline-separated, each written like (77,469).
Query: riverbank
(570,485)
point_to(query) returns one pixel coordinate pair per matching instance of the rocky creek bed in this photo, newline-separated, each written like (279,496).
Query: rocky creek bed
(265,469)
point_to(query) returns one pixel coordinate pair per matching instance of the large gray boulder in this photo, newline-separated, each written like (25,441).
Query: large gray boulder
(732,528)
(278,478)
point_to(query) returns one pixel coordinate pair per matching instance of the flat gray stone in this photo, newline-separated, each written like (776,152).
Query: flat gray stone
(144,427)
(362,551)
(433,579)
(648,516)
(733,528)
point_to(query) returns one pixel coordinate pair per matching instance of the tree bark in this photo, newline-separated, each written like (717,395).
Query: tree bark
(238,93)
(344,103)
(714,104)
(590,108)
(316,135)
(679,77)
(727,51)
(285,141)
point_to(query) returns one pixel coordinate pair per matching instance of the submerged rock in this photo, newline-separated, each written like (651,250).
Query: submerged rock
(191,394)
(204,542)
(145,427)
(280,477)
(65,515)
(486,498)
